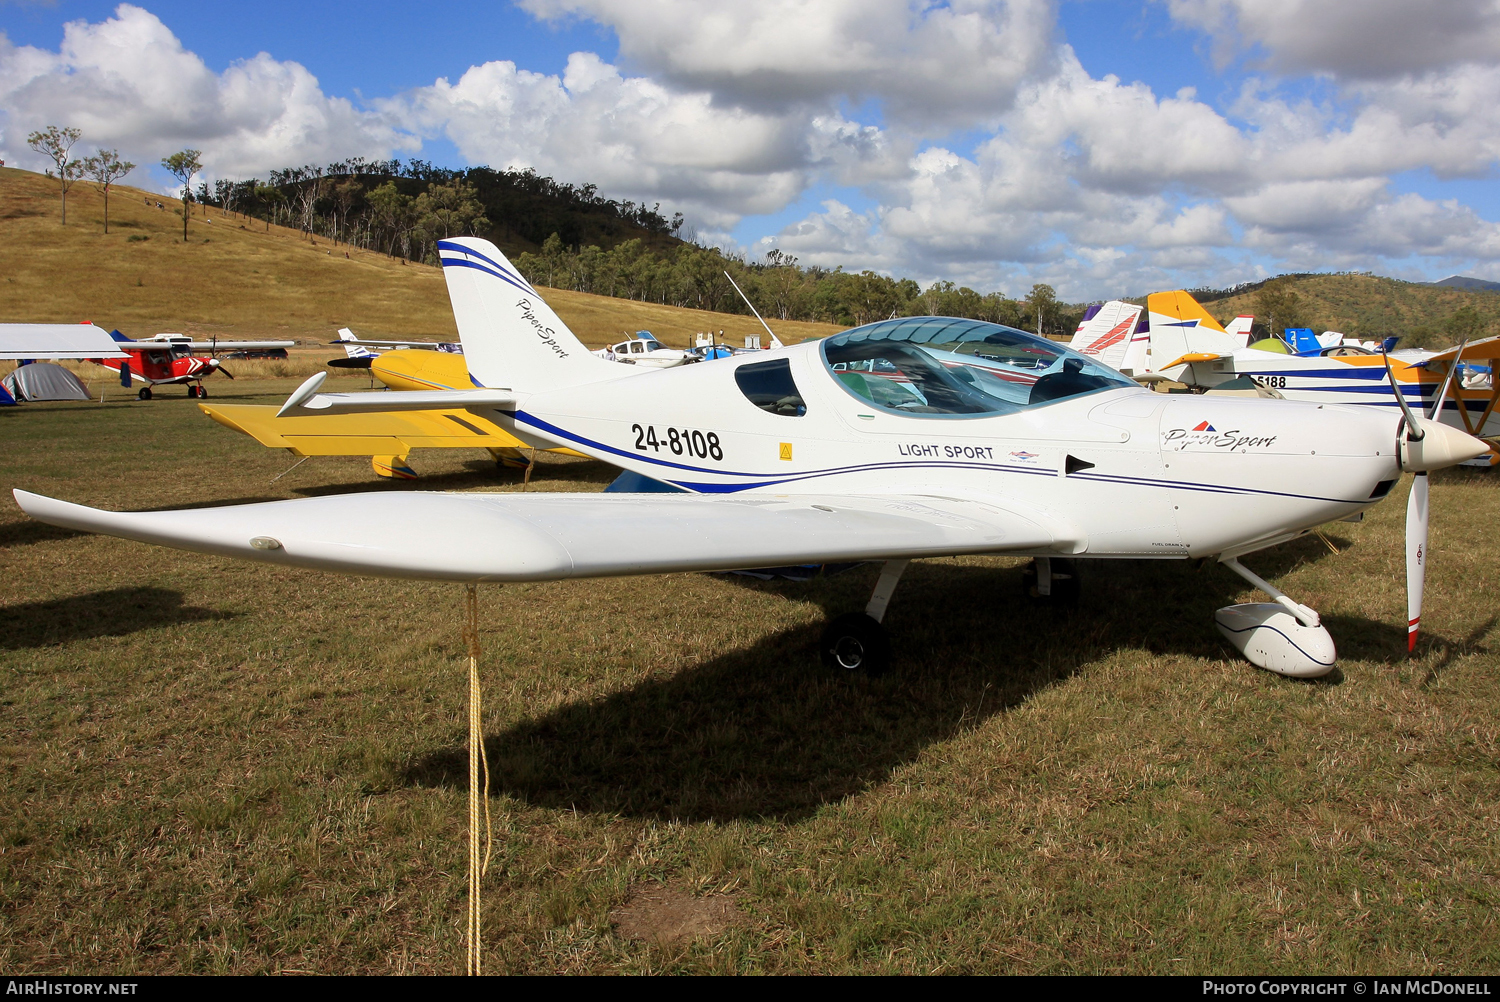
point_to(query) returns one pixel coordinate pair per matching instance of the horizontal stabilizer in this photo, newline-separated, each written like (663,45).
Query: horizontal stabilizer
(306,399)
(540,537)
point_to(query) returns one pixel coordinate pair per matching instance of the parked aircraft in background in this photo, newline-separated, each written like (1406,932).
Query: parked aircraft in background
(359,352)
(796,456)
(645,350)
(167,359)
(1201,357)
(389,437)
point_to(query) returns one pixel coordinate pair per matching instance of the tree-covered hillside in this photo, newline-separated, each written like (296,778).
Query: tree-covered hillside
(1359,304)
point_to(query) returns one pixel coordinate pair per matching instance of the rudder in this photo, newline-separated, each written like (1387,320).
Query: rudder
(511,337)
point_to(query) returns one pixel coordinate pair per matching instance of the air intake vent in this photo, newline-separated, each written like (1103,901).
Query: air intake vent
(1074,465)
(1382,489)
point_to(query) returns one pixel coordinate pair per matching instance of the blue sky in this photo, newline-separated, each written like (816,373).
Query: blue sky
(935,140)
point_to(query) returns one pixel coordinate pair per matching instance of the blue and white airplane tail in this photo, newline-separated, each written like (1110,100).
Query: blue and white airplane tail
(1113,334)
(511,337)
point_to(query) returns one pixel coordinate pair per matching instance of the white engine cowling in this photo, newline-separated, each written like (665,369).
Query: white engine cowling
(1270,637)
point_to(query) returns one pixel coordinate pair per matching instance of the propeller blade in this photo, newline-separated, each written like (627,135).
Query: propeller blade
(1437,405)
(1414,431)
(225,371)
(1416,557)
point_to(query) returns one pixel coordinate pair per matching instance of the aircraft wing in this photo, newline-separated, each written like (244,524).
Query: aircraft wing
(219,345)
(367,434)
(49,342)
(542,537)
(1478,351)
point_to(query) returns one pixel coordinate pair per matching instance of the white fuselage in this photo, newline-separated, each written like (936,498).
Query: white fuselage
(1121,472)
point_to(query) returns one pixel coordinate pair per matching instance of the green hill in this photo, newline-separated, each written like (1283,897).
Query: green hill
(1363,305)
(241,277)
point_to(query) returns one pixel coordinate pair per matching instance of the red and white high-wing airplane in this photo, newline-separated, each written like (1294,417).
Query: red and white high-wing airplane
(907,438)
(168,359)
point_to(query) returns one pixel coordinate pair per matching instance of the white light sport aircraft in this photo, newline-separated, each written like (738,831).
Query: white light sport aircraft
(907,438)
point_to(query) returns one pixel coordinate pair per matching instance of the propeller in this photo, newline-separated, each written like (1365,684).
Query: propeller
(1425,444)
(218,366)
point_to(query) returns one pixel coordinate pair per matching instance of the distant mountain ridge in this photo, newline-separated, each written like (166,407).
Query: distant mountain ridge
(1464,282)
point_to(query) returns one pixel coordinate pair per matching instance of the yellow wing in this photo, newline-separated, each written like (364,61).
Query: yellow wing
(381,434)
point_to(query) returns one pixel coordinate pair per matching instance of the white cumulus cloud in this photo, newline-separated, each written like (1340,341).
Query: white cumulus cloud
(127,82)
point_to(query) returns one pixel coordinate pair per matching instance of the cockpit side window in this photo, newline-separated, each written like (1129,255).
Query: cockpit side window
(769,386)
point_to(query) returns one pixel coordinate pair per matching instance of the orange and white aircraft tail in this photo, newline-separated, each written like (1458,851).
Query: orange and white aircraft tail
(1112,333)
(1179,327)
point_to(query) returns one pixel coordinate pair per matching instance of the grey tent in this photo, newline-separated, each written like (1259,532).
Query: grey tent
(44,381)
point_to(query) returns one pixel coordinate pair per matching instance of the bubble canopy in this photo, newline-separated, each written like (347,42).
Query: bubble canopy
(947,367)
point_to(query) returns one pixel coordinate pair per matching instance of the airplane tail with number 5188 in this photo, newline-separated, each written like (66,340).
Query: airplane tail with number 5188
(908,438)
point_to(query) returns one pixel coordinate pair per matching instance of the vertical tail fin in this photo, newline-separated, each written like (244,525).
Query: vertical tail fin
(1179,326)
(1106,333)
(511,337)
(1239,329)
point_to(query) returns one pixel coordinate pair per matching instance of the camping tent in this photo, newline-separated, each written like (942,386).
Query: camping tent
(44,381)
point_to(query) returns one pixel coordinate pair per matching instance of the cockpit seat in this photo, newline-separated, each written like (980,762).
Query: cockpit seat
(1067,383)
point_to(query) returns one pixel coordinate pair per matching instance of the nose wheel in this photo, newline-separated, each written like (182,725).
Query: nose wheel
(856,644)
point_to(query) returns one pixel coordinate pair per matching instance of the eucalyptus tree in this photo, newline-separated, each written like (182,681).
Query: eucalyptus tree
(183,165)
(55,144)
(106,167)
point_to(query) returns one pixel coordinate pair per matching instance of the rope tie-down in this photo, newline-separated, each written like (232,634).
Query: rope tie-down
(478,794)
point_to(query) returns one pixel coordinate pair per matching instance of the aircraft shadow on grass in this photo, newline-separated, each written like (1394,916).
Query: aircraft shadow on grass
(113,613)
(29,532)
(767,732)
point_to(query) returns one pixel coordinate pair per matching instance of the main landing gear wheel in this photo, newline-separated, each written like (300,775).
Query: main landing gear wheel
(202,392)
(144,394)
(1061,588)
(855,643)
(192,390)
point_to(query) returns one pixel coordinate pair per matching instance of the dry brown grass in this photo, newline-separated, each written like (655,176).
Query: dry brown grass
(219,766)
(238,279)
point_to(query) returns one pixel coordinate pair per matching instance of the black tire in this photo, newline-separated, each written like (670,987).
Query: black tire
(192,390)
(202,392)
(855,644)
(1065,584)
(144,394)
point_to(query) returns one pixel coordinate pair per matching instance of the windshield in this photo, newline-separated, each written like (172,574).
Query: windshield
(942,366)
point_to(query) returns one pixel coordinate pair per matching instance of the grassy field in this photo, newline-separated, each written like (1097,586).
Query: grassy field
(238,278)
(213,766)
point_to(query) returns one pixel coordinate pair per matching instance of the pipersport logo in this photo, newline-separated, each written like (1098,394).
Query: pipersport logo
(1206,436)
(1024,456)
(547,334)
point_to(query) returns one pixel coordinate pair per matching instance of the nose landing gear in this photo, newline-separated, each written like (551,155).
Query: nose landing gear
(855,641)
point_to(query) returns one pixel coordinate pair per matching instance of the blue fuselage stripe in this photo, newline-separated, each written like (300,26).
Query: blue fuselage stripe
(772,479)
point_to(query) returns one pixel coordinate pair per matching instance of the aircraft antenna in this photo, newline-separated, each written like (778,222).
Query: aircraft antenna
(775,341)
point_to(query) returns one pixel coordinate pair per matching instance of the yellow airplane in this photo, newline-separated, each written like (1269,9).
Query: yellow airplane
(387,438)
